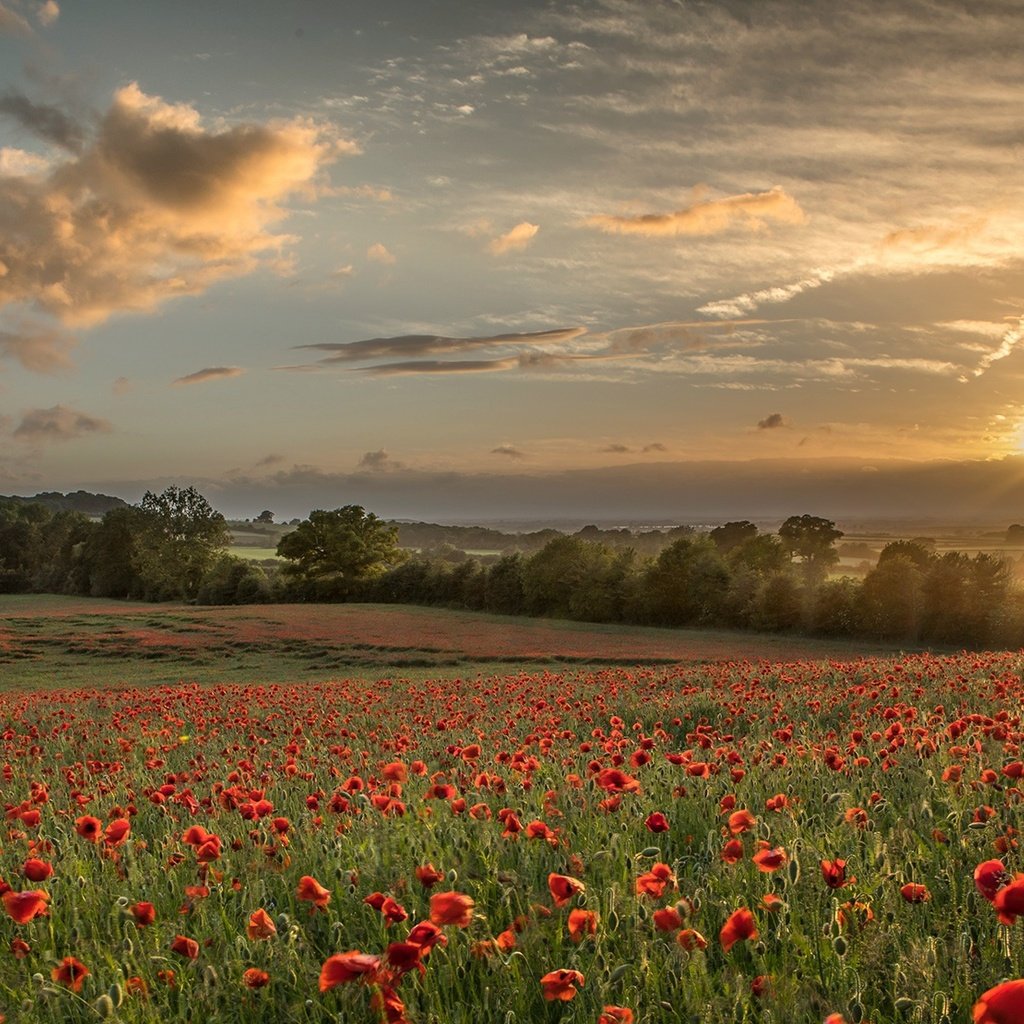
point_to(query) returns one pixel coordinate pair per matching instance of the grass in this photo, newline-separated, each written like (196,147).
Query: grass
(48,641)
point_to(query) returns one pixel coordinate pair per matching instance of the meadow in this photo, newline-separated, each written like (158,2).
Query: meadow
(779,839)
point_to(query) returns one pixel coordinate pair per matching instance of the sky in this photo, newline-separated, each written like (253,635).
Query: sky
(470,260)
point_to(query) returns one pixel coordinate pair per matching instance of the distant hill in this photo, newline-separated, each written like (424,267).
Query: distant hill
(76,501)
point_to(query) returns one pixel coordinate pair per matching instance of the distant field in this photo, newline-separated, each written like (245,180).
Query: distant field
(252,552)
(48,641)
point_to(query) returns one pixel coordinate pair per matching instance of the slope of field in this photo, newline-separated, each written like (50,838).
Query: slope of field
(54,641)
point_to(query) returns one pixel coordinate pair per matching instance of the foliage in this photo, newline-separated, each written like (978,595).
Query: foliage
(812,540)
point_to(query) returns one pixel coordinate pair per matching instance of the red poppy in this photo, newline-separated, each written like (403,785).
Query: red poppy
(914,892)
(834,873)
(24,906)
(732,851)
(739,925)
(311,891)
(769,860)
(89,828)
(1009,901)
(36,870)
(428,876)
(581,924)
(20,948)
(451,908)
(668,919)
(615,1015)
(144,913)
(563,888)
(71,973)
(427,935)
(345,967)
(1003,1004)
(653,883)
(656,822)
(691,939)
(771,902)
(117,832)
(561,985)
(989,877)
(186,947)
(741,821)
(260,925)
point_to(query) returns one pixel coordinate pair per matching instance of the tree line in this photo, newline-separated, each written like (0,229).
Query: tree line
(171,547)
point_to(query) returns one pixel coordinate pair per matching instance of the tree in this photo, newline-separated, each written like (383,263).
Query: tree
(179,538)
(687,583)
(266,516)
(811,539)
(732,535)
(920,552)
(329,552)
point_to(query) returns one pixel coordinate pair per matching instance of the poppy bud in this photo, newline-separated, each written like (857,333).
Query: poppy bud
(453,876)
(793,871)
(104,1006)
(210,978)
(128,946)
(903,1005)
(839,945)
(856,1011)
(116,994)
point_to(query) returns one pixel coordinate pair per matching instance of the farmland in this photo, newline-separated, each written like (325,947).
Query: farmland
(713,839)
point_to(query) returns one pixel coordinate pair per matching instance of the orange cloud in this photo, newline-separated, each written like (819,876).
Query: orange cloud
(709,217)
(59,423)
(515,240)
(154,206)
(210,373)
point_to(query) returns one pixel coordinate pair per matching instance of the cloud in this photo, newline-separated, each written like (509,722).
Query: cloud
(741,304)
(708,217)
(153,207)
(1007,344)
(429,344)
(59,423)
(122,385)
(510,451)
(379,253)
(48,122)
(437,366)
(924,239)
(48,13)
(378,462)
(346,271)
(210,373)
(617,449)
(13,23)
(772,422)
(515,240)
(40,349)
(654,446)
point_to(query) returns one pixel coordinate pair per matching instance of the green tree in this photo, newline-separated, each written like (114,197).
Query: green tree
(891,597)
(687,583)
(729,536)
(332,551)
(179,537)
(811,539)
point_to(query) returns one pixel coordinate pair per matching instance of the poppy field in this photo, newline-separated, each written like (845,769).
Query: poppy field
(744,841)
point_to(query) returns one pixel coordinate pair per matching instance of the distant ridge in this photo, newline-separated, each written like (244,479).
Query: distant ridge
(75,501)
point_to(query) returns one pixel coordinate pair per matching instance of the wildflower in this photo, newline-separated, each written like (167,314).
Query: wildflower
(656,822)
(71,973)
(561,985)
(144,913)
(989,877)
(615,1015)
(345,967)
(36,870)
(564,887)
(834,873)
(186,947)
(428,876)
(22,907)
(260,925)
(1009,901)
(739,925)
(451,908)
(769,860)
(255,978)
(89,828)
(691,939)
(581,923)
(311,891)
(914,892)
(1003,1004)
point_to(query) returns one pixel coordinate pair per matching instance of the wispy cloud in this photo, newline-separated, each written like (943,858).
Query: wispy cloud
(515,240)
(37,348)
(750,210)
(210,373)
(48,122)
(58,423)
(510,451)
(435,366)
(379,253)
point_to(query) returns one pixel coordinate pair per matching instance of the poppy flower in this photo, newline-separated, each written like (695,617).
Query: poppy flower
(20,948)
(451,908)
(36,870)
(732,851)
(561,985)
(255,978)
(428,876)
(404,956)
(741,821)
(1003,1004)
(563,888)
(739,925)
(311,891)
(834,873)
(581,923)
(761,986)
(667,919)
(117,832)
(656,822)
(260,925)
(144,913)
(344,967)
(70,972)
(427,935)
(691,939)
(1009,901)
(769,860)
(771,902)
(653,883)
(616,1015)
(989,877)
(22,907)
(89,828)
(186,947)
(914,892)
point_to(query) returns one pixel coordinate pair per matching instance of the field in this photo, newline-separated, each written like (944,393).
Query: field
(734,840)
